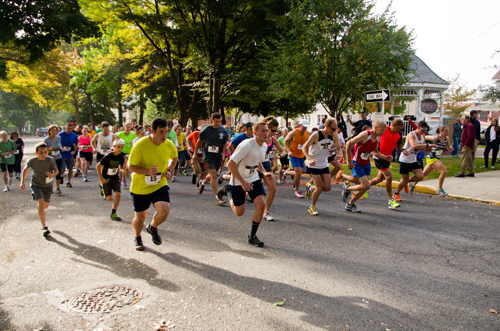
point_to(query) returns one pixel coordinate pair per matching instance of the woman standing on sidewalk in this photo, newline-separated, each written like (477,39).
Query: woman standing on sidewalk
(492,136)
(14,136)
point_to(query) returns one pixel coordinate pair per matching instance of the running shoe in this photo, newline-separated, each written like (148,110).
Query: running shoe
(18,177)
(124,183)
(393,204)
(10,181)
(442,193)
(279,181)
(407,188)
(101,190)
(248,199)
(115,217)
(33,196)
(45,231)
(193,178)
(174,179)
(201,187)
(255,241)
(484,167)
(352,208)
(58,191)
(183,172)
(365,195)
(299,194)
(223,191)
(77,173)
(312,211)
(68,184)
(220,202)
(85,179)
(154,235)
(397,197)
(267,217)
(220,180)
(338,177)
(345,192)
(412,188)
(283,176)
(91,167)
(308,191)
(138,244)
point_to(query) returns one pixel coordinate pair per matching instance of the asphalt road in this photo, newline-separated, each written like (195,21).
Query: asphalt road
(431,265)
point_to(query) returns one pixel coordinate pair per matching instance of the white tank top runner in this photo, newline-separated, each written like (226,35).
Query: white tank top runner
(412,157)
(320,151)
(104,144)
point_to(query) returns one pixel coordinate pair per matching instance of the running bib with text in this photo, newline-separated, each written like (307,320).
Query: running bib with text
(152,180)
(55,153)
(249,171)
(300,146)
(48,180)
(365,156)
(200,151)
(112,171)
(66,148)
(213,149)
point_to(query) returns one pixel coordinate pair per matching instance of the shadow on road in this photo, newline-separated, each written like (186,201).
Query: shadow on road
(320,310)
(105,260)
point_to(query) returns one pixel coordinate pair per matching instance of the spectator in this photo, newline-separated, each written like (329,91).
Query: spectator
(362,122)
(468,143)
(492,142)
(457,132)
(14,136)
(477,133)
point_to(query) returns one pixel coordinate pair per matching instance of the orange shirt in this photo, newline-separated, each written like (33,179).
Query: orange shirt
(193,138)
(297,142)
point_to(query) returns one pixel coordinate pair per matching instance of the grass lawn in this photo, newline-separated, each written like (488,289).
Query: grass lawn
(452,164)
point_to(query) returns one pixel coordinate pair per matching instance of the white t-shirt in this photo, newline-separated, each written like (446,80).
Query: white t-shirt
(412,157)
(493,134)
(248,155)
(104,144)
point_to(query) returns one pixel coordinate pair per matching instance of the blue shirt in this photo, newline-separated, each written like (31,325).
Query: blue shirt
(239,138)
(68,140)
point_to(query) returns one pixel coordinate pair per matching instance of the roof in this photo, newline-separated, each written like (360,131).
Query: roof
(486,107)
(423,74)
(497,76)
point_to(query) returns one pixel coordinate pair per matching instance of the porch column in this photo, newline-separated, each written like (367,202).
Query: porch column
(441,113)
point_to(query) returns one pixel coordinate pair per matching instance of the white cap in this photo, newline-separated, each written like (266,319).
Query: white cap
(118,142)
(304,123)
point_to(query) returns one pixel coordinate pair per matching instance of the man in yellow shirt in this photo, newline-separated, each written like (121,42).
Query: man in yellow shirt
(148,161)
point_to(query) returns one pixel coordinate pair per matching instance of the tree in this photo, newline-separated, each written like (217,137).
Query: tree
(30,29)
(456,97)
(332,51)
(491,93)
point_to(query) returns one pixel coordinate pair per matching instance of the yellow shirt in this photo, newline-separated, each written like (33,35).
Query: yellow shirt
(92,134)
(180,140)
(147,155)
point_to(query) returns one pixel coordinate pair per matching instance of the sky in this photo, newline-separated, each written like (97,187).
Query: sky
(453,36)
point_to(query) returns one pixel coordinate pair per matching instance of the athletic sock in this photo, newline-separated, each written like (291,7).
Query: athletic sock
(255,226)
(113,211)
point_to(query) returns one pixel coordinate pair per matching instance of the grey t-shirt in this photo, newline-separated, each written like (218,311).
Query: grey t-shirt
(56,153)
(214,141)
(40,168)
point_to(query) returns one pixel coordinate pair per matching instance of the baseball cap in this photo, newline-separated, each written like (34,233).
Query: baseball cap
(249,125)
(321,126)
(304,123)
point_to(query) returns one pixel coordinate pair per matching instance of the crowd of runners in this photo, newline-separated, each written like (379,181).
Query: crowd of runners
(236,166)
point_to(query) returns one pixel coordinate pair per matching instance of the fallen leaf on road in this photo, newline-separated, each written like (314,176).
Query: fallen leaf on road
(493,311)
(350,229)
(279,303)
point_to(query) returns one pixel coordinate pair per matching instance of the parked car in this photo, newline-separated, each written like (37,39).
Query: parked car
(42,132)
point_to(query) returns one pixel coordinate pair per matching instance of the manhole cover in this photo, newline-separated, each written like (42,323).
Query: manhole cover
(105,299)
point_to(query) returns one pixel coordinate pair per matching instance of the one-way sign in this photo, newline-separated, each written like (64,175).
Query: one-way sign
(377,96)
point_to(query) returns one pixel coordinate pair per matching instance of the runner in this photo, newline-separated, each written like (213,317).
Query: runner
(8,148)
(243,164)
(14,136)
(213,141)
(284,160)
(317,149)
(78,129)
(44,171)
(69,147)
(391,139)
(293,146)
(433,162)
(364,144)
(103,141)
(181,150)
(189,130)
(53,141)
(199,167)
(86,155)
(415,143)
(337,156)
(109,169)
(240,137)
(149,162)
(128,137)
(140,132)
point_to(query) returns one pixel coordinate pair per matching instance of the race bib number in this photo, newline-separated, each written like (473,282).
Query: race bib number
(249,171)
(439,152)
(112,171)
(365,156)
(152,180)
(66,148)
(55,153)
(200,151)
(266,157)
(300,146)
(213,149)
(16,152)
(49,180)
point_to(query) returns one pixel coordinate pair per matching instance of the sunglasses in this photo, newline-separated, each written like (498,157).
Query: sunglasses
(274,130)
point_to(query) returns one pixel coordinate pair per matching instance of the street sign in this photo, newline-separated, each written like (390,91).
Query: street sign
(377,96)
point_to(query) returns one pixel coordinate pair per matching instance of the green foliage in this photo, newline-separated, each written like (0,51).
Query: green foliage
(456,97)
(491,93)
(17,110)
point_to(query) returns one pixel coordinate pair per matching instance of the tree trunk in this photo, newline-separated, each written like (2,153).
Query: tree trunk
(91,107)
(76,104)
(105,104)
(120,114)
(142,106)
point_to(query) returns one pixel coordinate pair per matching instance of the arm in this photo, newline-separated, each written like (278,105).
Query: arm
(287,142)
(412,124)
(23,178)
(197,146)
(233,167)
(338,146)
(278,145)
(313,139)
(143,171)
(94,144)
(362,137)
(99,172)
(377,153)
(168,173)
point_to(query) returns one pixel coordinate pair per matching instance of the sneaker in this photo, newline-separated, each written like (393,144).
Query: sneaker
(338,177)
(345,192)
(279,181)
(10,181)
(442,193)
(45,231)
(68,184)
(220,202)
(101,190)
(220,180)
(396,197)
(248,199)
(124,183)
(312,211)
(299,194)
(412,187)
(407,188)
(85,179)
(393,204)
(365,195)
(255,241)
(267,217)
(58,191)
(484,167)
(7,188)
(283,176)
(183,172)
(201,187)
(115,217)
(91,167)
(352,208)
(33,195)
(492,167)
(193,178)
(138,244)
(308,191)
(154,235)
(77,173)
(474,166)
(223,191)
(174,179)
